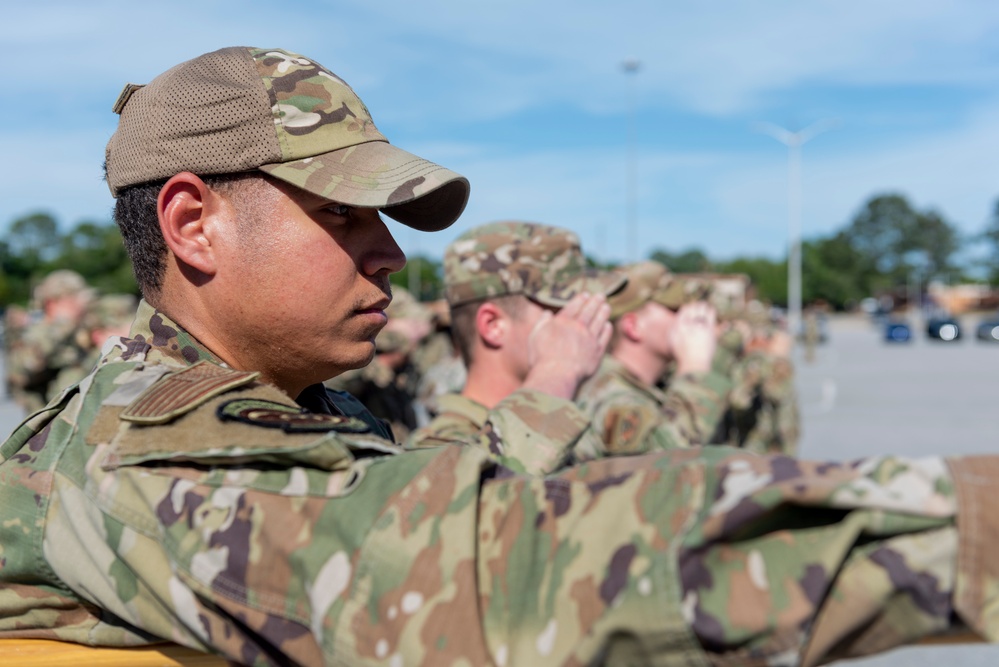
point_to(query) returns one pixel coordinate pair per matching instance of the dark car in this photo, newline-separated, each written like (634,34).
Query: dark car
(897,331)
(943,327)
(988,330)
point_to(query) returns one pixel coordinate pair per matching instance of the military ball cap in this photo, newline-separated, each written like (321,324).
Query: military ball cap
(652,281)
(542,262)
(241,109)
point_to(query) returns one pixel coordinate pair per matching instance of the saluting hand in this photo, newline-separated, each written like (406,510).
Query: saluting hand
(566,348)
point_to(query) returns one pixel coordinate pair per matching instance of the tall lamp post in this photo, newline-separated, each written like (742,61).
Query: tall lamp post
(794,141)
(631,67)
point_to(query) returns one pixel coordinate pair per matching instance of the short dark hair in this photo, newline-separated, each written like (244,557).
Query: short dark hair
(135,215)
(463,331)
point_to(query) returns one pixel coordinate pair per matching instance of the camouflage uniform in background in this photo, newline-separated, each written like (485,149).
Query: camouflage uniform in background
(632,416)
(16,321)
(387,385)
(762,415)
(309,539)
(540,262)
(442,370)
(108,315)
(56,343)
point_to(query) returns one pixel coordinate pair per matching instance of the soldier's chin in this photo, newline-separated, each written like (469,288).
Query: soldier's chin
(365,354)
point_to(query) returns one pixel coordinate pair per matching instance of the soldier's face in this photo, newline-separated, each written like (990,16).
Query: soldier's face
(309,284)
(655,322)
(518,346)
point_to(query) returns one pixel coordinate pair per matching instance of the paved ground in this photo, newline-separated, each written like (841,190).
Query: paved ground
(864,397)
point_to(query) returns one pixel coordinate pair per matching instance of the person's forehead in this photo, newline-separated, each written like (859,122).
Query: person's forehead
(652,309)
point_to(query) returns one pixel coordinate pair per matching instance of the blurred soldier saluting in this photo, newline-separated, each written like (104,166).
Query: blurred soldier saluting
(528,316)
(660,321)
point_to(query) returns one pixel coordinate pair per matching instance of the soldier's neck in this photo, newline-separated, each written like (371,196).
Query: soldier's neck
(640,362)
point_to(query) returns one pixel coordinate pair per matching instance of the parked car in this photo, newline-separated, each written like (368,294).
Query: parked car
(897,331)
(943,327)
(988,330)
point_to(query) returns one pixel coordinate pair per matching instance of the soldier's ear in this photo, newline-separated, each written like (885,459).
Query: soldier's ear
(185,208)
(630,326)
(492,325)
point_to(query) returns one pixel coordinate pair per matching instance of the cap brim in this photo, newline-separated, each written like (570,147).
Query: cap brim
(376,174)
(589,280)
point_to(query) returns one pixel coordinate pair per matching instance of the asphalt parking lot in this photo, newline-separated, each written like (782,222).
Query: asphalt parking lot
(864,397)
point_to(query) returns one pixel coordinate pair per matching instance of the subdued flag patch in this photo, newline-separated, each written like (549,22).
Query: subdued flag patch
(179,393)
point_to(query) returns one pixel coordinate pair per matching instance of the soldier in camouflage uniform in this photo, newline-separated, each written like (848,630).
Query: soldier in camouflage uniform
(659,319)
(107,315)
(57,342)
(200,486)
(503,281)
(443,370)
(386,386)
(762,414)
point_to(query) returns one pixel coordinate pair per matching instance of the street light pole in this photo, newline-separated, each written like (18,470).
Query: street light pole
(794,141)
(631,67)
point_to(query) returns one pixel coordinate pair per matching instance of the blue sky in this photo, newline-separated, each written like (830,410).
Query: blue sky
(529,100)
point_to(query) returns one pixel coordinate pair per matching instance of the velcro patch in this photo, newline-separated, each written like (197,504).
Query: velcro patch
(181,392)
(288,418)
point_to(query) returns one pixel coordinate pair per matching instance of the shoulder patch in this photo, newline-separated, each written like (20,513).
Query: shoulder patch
(181,392)
(288,418)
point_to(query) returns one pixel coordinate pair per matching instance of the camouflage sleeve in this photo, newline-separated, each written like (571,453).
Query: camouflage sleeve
(288,545)
(528,431)
(695,403)
(824,561)
(629,423)
(727,353)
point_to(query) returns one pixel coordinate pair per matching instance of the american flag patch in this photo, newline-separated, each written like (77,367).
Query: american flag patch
(181,392)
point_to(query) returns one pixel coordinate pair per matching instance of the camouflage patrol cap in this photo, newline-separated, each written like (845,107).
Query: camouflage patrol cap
(110,310)
(241,109)
(58,284)
(405,306)
(651,281)
(682,290)
(391,341)
(541,262)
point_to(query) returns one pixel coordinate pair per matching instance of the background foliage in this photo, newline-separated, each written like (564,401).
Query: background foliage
(888,244)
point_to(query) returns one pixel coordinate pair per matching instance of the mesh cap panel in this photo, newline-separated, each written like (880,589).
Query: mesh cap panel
(218,99)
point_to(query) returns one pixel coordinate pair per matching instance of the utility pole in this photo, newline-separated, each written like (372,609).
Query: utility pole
(631,67)
(794,141)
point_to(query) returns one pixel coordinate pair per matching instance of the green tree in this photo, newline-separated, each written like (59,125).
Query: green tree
(31,242)
(97,253)
(990,237)
(832,270)
(888,233)
(427,282)
(692,260)
(767,275)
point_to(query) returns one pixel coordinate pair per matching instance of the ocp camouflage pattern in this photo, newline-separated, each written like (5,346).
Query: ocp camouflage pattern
(632,417)
(539,261)
(339,548)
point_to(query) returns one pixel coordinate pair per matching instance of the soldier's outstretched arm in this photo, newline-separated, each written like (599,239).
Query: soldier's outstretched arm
(288,544)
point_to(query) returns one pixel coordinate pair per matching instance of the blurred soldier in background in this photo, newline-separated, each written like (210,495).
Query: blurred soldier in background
(106,316)
(56,342)
(387,385)
(442,369)
(659,319)
(504,282)
(16,320)
(762,414)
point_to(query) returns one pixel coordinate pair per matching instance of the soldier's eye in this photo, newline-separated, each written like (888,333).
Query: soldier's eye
(338,209)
